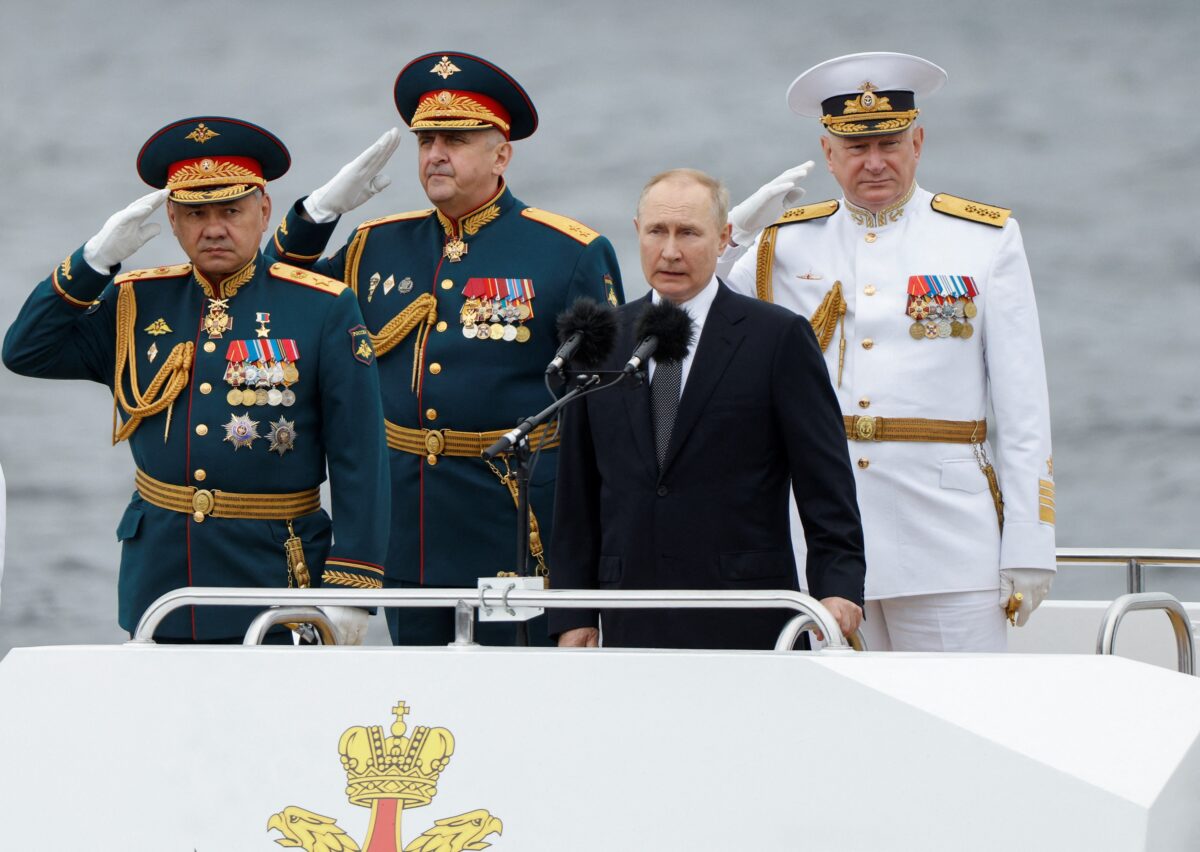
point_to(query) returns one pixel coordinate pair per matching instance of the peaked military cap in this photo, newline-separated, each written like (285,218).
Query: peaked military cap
(446,90)
(210,158)
(865,94)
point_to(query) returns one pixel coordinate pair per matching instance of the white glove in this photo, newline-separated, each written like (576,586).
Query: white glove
(355,183)
(1033,584)
(124,233)
(768,203)
(349,623)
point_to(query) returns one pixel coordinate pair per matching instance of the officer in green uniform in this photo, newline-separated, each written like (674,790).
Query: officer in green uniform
(236,382)
(461,302)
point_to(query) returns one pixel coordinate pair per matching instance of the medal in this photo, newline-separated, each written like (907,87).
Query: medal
(916,331)
(956,328)
(291,375)
(234,397)
(248,397)
(406,285)
(274,396)
(288,398)
(523,334)
(969,310)
(282,436)
(276,374)
(241,431)
(250,375)
(510,333)
(523,311)
(943,328)
(262,319)
(217,321)
(931,330)
(482,331)
(496,331)
(260,396)
(470,330)
(967,331)
(454,250)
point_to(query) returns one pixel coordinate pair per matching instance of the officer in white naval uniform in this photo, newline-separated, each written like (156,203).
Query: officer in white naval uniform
(924,306)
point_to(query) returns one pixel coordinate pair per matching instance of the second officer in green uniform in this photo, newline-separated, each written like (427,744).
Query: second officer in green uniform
(461,302)
(237,382)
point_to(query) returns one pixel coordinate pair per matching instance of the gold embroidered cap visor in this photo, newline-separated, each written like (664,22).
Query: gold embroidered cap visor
(449,90)
(865,94)
(210,158)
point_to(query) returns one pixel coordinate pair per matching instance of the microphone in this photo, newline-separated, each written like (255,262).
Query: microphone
(587,332)
(665,331)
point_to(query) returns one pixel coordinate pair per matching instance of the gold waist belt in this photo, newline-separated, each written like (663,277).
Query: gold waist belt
(862,427)
(449,442)
(201,502)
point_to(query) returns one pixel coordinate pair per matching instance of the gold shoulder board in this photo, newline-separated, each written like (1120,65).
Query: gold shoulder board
(965,208)
(296,275)
(396,217)
(563,224)
(176,271)
(820,210)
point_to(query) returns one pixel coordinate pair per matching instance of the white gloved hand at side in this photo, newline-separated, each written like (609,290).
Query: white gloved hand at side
(124,233)
(768,203)
(355,183)
(349,623)
(1032,583)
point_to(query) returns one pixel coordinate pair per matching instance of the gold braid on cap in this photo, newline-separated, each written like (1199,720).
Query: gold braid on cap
(448,110)
(228,181)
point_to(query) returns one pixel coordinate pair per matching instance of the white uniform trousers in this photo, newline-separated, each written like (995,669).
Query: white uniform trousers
(954,621)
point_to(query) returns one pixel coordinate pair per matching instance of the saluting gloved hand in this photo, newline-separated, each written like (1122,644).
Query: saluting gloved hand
(768,203)
(1033,584)
(355,183)
(124,233)
(349,623)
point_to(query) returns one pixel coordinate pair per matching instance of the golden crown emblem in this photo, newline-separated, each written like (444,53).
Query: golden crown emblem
(405,768)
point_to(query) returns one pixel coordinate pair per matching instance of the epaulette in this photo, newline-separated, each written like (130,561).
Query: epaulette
(176,271)
(809,212)
(965,208)
(396,217)
(296,275)
(563,224)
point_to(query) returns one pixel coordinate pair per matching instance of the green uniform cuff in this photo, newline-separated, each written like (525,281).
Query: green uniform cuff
(300,241)
(76,283)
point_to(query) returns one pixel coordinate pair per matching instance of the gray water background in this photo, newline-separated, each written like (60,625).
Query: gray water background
(1081,116)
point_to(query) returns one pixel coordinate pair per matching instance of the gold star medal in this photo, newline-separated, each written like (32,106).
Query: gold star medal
(241,431)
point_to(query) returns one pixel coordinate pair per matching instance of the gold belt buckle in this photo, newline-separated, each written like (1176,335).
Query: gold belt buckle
(435,443)
(864,428)
(203,502)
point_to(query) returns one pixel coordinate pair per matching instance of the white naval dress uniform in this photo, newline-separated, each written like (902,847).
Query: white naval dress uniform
(929,519)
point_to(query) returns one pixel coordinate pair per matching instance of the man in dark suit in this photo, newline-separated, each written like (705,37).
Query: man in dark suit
(683,484)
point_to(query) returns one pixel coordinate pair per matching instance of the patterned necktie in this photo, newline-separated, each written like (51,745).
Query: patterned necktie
(664,402)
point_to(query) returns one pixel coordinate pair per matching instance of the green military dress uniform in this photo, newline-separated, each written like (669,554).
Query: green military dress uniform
(462,314)
(453,520)
(224,483)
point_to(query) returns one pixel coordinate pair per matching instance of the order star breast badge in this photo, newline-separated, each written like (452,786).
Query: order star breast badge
(282,435)
(241,431)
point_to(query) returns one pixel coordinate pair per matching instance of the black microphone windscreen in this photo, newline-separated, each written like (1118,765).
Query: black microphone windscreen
(672,326)
(598,325)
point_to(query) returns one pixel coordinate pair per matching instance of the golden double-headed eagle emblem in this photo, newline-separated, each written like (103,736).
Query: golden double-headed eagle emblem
(389,774)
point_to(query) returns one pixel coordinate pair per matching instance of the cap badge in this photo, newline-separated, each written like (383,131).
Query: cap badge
(868,101)
(202,134)
(444,98)
(445,68)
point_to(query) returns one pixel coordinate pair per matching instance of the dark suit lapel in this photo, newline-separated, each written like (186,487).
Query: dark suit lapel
(637,399)
(718,343)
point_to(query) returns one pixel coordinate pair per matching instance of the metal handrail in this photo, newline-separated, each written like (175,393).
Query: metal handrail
(1135,559)
(268,618)
(463,599)
(799,623)
(1107,639)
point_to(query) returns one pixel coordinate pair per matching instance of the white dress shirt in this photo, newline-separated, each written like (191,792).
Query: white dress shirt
(697,308)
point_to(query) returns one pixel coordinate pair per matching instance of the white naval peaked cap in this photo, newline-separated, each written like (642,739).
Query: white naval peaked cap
(882,87)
